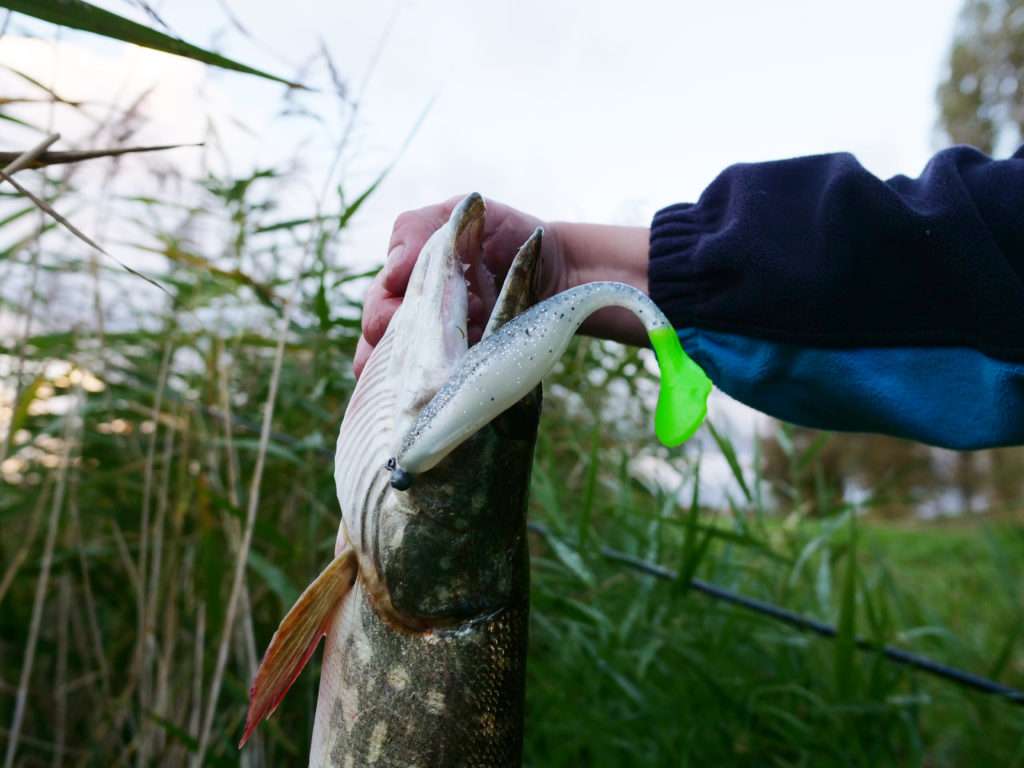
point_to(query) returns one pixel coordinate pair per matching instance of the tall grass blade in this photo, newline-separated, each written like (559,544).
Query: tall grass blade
(49,211)
(729,452)
(42,584)
(590,487)
(45,159)
(77,14)
(15,161)
(846,634)
(245,545)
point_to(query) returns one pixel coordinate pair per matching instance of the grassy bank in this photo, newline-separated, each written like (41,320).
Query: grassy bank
(629,670)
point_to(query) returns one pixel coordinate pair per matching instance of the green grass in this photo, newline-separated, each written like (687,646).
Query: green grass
(628,670)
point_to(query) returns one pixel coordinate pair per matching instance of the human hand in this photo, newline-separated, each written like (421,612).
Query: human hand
(571,254)
(504,230)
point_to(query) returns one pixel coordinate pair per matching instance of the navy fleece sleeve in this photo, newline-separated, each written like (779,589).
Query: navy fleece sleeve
(815,291)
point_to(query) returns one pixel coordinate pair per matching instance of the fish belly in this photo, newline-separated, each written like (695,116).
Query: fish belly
(393,698)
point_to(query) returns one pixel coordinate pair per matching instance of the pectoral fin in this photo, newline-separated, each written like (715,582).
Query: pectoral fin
(297,637)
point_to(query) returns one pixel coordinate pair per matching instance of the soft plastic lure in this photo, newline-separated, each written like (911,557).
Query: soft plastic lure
(507,364)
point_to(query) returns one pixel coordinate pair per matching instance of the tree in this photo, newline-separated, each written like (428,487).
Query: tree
(981,101)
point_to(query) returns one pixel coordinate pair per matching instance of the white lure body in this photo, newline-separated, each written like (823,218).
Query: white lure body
(505,366)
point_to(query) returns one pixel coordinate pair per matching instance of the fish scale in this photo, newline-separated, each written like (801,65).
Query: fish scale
(449,697)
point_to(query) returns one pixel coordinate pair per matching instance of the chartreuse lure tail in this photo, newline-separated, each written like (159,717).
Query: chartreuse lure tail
(503,367)
(683,396)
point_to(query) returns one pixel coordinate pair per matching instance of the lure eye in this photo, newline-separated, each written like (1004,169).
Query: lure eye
(400,479)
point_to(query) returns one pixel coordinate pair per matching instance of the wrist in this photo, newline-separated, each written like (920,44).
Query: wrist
(595,252)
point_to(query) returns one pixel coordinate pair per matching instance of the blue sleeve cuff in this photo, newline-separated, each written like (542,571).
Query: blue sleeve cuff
(952,397)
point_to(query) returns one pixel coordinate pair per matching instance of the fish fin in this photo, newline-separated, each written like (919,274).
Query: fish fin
(297,637)
(519,292)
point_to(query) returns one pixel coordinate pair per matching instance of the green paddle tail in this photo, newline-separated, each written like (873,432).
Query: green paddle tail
(683,396)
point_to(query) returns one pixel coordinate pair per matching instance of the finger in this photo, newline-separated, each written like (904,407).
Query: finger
(374,295)
(363,351)
(379,307)
(410,231)
(401,259)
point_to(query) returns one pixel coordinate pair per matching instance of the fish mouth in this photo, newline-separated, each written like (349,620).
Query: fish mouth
(459,268)
(470,210)
(432,325)
(396,535)
(424,341)
(467,222)
(466,228)
(519,291)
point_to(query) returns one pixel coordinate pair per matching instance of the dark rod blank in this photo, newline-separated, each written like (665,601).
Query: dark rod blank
(958,676)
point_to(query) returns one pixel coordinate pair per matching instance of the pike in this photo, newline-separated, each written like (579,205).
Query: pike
(425,605)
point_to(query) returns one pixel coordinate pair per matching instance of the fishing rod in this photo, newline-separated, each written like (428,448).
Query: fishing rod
(899,656)
(793,619)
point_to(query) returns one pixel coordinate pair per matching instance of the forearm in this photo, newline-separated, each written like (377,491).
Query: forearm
(817,251)
(592,252)
(813,291)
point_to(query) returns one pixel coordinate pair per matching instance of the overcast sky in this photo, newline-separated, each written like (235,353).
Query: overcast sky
(595,110)
(606,111)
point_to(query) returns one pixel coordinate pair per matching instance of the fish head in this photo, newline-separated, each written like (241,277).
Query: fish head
(430,329)
(452,546)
